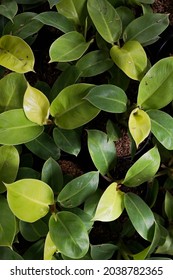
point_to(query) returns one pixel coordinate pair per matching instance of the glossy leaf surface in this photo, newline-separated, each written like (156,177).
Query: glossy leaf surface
(103,251)
(75,237)
(108,98)
(16,129)
(143,169)
(77,190)
(111,204)
(29,199)
(140,215)
(101,150)
(33,231)
(49,248)
(16,54)
(139,125)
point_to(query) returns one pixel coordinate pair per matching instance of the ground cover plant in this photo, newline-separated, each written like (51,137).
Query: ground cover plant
(85,131)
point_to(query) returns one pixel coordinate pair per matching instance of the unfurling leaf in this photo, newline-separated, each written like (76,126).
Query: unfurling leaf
(139,125)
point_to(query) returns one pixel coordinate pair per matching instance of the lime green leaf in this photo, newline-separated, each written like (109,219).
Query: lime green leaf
(7,224)
(168,204)
(29,199)
(9,164)
(75,237)
(77,190)
(105,18)
(12,89)
(16,54)
(70,109)
(140,215)
(70,46)
(162,127)
(8,8)
(103,251)
(111,204)
(108,98)
(156,81)
(36,105)
(102,151)
(143,169)
(16,129)
(49,248)
(130,58)
(139,125)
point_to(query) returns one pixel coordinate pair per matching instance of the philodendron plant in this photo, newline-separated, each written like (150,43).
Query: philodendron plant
(102,48)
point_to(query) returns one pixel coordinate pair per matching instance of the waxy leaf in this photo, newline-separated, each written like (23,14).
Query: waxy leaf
(29,199)
(111,204)
(33,231)
(143,169)
(8,8)
(12,89)
(70,109)
(168,205)
(75,237)
(102,151)
(49,248)
(78,190)
(16,54)
(103,251)
(70,46)
(108,98)
(9,164)
(140,215)
(105,18)
(16,129)
(7,253)
(130,58)
(162,127)
(157,80)
(36,105)
(139,125)
(7,224)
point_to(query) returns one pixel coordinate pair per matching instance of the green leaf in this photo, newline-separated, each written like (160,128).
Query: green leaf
(156,81)
(108,98)
(103,251)
(152,192)
(7,224)
(33,231)
(143,169)
(105,18)
(67,140)
(144,28)
(162,127)
(139,125)
(102,151)
(85,217)
(91,64)
(111,204)
(12,89)
(8,254)
(126,15)
(140,215)
(9,164)
(16,54)
(8,9)
(75,237)
(130,58)
(168,206)
(44,147)
(68,47)
(16,129)
(78,190)
(49,248)
(29,199)
(36,105)
(70,109)
(35,251)
(27,172)
(113,131)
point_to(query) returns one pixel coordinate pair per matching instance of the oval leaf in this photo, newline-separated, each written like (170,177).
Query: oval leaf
(102,151)
(75,237)
(168,205)
(143,169)
(139,125)
(16,54)
(108,98)
(16,129)
(131,59)
(49,248)
(33,231)
(140,215)
(8,9)
(36,106)
(110,205)
(29,199)
(69,47)
(103,251)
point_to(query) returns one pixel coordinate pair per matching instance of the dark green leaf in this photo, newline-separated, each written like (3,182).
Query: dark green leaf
(33,231)
(8,9)
(168,205)
(103,251)
(8,254)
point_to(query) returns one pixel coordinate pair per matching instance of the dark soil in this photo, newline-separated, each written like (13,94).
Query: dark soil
(164,7)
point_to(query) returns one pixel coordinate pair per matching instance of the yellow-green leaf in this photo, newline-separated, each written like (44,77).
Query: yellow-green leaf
(139,125)
(49,248)
(110,205)
(36,105)
(16,54)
